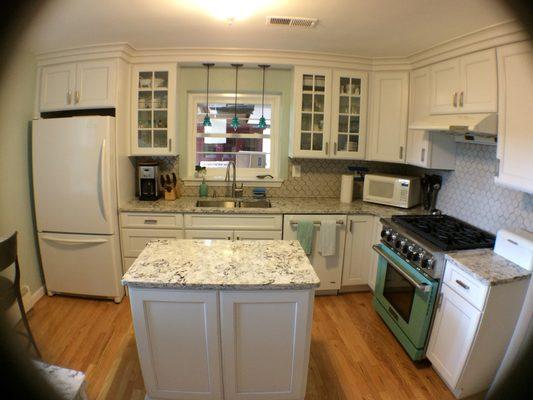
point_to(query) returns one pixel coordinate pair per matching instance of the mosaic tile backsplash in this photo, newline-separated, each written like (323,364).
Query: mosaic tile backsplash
(469,192)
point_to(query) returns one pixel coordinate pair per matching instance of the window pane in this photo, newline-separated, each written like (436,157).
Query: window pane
(318,122)
(160,119)
(317,141)
(343,123)
(319,102)
(226,145)
(145,119)
(161,79)
(145,99)
(356,105)
(344,82)
(160,139)
(144,138)
(160,99)
(343,143)
(307,83)
(343,105)
(247,114)
(354,143)
(354,124)
(306,122)
(320,83)
(145,80)
(305,143)
(307,102)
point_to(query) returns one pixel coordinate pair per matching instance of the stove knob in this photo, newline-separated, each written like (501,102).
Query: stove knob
(385,232)
(427,263)
(397,242)
(416,256)
(404,246)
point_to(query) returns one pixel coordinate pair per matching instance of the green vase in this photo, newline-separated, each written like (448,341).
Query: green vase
(203,189)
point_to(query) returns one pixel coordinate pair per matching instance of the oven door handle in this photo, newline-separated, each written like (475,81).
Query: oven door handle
(420,286)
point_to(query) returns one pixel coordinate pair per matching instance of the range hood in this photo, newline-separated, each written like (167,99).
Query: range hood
(485,124)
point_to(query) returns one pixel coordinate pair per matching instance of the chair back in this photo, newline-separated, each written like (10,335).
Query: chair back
(8,251)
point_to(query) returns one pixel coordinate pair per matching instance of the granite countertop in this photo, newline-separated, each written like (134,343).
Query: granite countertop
(297,205)
(221,264)
(70,384)
(487,266)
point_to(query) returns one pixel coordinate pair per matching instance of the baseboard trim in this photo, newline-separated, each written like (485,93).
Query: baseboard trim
(35,297)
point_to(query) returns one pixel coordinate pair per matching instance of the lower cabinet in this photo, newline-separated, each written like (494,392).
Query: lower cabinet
(358,250)
(231,235)
(227,345)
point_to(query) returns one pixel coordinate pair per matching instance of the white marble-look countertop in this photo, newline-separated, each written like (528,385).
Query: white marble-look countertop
(487,266)
(296,205)
(68,383)
(222,264)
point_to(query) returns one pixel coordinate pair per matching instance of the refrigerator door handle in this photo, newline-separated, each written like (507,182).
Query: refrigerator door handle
(102,177)
(76,241)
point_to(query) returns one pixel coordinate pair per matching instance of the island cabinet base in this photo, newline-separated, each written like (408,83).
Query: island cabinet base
(218,344)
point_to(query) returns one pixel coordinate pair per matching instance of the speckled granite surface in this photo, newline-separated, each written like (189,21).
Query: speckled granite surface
(279,206)
(487,266)
(221,264)
(70,384)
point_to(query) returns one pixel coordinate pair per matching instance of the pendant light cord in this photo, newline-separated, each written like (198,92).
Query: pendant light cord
(236,86)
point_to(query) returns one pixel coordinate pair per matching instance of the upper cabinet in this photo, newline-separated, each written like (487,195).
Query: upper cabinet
(153,110)
(88,84)
(329,119)
(466,84)
(388,116)
(515,122)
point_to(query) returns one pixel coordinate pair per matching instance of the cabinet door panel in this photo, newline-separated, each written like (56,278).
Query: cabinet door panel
(515,119)
(389,116)
(453,333)
(445,87)
(419,108)
(57,87)
(265,339)
(177,338)
(358,250)
(134,240)
(478,82)
(257,235)
(208,234)
(96,84)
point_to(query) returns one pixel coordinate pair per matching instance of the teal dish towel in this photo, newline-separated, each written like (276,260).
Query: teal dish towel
(304,235)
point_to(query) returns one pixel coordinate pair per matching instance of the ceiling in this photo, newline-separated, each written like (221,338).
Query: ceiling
(366,28)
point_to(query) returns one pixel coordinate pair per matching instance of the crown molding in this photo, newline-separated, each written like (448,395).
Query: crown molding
(492,36)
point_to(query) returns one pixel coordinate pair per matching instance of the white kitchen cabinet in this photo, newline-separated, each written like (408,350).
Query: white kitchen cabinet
(328,269)
(257,222)
(178,340)
(466,84)
(426,149)
(358,250)
(256,235)
(134,240)
(153,103)
(452,335)
(348,121)
(208,234)
(378,227)
(265,340)
(389,97)
(312,112)
(515,119)
(83,85)
(473,325)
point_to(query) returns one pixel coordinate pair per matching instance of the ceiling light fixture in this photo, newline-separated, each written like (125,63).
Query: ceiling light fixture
(235,120)
(262,122)
(207,119)
(232,10)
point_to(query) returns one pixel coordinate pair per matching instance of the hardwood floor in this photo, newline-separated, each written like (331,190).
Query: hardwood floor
(353,354)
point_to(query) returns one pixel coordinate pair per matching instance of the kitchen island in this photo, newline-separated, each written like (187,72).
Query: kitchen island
(222,319)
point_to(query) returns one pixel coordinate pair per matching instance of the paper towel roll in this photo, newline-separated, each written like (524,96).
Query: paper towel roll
(346,188)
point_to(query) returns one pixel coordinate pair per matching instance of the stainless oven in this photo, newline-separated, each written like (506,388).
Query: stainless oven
(404,298)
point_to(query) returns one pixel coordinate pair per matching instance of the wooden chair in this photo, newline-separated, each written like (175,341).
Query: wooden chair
(10,290)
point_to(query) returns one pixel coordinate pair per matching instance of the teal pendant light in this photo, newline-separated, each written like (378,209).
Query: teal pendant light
(262,121)
(235,121)
(207,119)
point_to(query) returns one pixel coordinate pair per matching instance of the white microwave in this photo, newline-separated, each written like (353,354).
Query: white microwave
(392,190)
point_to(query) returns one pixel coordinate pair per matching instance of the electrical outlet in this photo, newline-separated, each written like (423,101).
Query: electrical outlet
(296,171)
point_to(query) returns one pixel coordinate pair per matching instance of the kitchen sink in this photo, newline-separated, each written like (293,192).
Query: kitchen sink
(234,204)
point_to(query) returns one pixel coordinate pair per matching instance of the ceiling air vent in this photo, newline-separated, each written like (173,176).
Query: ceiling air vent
(292,21)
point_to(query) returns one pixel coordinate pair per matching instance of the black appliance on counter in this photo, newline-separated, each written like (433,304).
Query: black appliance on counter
(147,180)
(431,185)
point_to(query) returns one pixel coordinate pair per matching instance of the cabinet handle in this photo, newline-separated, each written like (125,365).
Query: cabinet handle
(238,238)
(462,284)
(69,97)
(439,300)
(76,97)
(461,98)
(423,155)
(350,227)
(169,145)
(150,221)
(455,99)
(335,148)
(327,148)
(401,152)
(229,237)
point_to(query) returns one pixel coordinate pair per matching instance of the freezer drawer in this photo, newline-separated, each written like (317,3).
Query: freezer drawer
(82,264)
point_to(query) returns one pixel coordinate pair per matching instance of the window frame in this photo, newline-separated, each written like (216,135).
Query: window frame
(218,175)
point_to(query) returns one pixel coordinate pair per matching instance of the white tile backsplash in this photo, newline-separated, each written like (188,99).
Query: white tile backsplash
(469,192)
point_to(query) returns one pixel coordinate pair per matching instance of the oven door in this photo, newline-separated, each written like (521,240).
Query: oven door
(406,295)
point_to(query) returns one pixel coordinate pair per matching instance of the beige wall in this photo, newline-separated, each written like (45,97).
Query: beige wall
(16,105)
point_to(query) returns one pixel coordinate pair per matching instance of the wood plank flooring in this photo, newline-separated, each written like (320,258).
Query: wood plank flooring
(353,354)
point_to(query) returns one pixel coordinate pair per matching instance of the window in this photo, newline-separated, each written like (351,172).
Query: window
(254,150)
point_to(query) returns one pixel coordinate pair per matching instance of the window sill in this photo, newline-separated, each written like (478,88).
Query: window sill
(247,182)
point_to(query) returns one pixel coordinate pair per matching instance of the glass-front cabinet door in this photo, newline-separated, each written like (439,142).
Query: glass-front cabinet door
(312,96)
(153,110)
(348,122)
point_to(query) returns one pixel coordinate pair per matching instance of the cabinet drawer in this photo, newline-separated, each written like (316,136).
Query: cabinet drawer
(217,221)
(468,287)
(134,240)
(146,220)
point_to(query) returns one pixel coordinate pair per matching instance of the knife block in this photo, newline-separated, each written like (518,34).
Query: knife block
(171,196)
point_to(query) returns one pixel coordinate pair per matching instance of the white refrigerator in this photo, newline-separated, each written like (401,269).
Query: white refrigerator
(74,187)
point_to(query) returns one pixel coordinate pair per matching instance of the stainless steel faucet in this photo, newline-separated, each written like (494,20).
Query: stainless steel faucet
(234,180)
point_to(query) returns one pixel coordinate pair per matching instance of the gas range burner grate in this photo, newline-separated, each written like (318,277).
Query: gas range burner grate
(445,232)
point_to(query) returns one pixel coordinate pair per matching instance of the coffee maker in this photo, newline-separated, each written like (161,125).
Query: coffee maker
(147,182)
(431,185)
